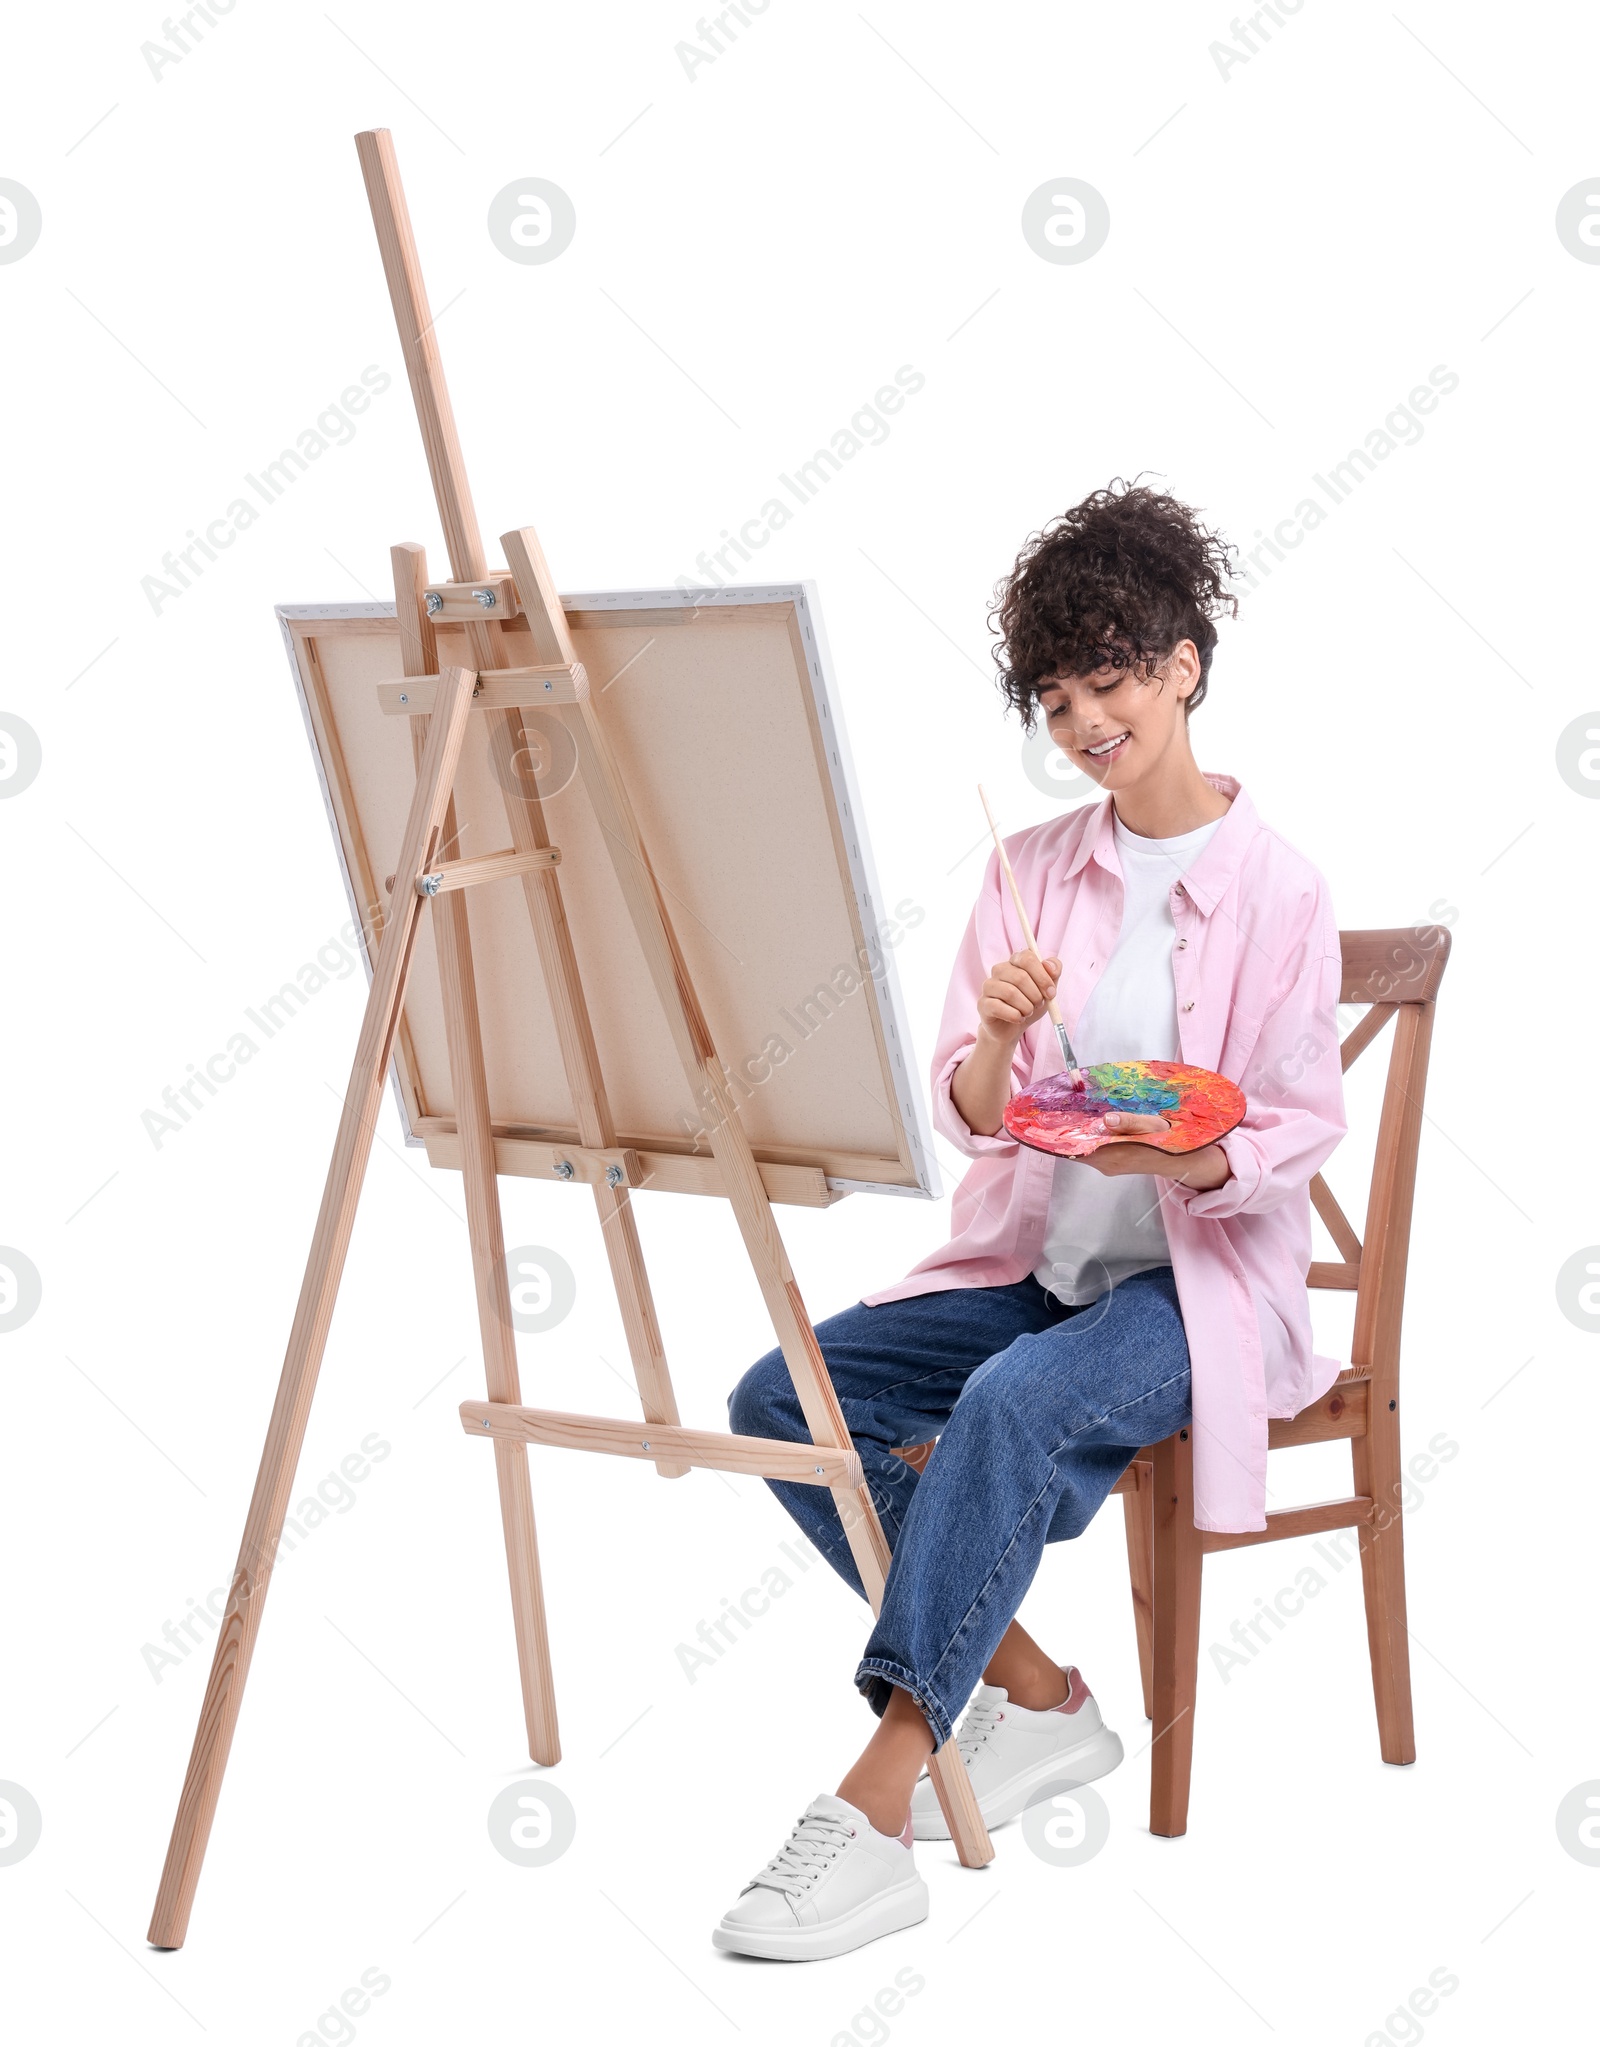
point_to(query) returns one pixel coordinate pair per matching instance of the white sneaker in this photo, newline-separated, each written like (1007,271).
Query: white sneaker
(1011,1751)
(835,1884)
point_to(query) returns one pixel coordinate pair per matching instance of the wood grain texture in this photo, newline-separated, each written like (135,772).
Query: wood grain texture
(534,1158)
(757,1456)
(461,602)
(1398,973)
(1341,1411)
(1175,1632)
(1284,1522)
(506,866)
(511,689)
(524,812)
(241,1619)
(485,1233)
(419,346)
(1356,1040)
(579,1054)
(1137,1487)
(1405,964)
(1336,1221)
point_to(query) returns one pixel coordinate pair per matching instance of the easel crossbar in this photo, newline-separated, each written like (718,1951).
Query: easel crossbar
(445,875)
(756,1456)
(505,689)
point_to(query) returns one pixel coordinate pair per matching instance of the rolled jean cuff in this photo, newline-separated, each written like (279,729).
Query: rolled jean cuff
(876,1676)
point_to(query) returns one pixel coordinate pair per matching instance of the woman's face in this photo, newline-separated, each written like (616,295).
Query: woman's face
(1116,725)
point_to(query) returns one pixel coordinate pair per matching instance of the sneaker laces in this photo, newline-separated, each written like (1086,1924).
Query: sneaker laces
(816,1843)
(977,1724)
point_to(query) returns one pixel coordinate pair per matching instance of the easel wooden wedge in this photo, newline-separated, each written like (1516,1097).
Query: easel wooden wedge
(523,661)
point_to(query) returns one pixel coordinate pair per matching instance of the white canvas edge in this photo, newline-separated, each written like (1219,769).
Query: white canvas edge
(285,613)
(846,796)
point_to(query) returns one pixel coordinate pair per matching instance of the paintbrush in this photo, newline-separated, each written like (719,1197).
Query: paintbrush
(1074,1073)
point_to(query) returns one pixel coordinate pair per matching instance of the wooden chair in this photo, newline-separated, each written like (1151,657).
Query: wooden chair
(1395,974)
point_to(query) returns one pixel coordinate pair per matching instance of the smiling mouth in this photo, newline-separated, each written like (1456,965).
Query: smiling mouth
(1108,749)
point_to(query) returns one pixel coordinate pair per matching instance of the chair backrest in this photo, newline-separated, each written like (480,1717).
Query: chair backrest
(1396,974)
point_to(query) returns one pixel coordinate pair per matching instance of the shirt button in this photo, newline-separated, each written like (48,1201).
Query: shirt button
(1187,1007)
(1182,942)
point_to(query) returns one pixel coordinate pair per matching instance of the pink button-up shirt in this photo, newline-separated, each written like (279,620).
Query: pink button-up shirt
(1256,967)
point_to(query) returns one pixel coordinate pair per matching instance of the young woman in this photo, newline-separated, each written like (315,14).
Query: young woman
(1082,1308)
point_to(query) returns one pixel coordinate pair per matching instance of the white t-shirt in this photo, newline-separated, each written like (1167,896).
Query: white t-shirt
(1100,1230)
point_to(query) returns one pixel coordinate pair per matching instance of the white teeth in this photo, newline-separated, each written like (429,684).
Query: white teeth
(1109,744)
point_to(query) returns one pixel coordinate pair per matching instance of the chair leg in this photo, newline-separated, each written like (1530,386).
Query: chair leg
(1141,1535)
(1375,1460)
(1177,1559)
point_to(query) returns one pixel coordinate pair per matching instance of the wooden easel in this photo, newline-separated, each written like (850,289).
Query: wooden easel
(447,700)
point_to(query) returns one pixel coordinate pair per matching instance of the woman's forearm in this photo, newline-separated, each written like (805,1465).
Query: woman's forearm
(980,1087)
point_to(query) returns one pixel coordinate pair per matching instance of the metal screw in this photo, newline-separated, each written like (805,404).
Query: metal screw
(486,1421)
(564,1169)
(404,698)
(644,1446)
(429,884)
(613,1176)
(434,602)
(548,687)
(818,1469)
(485,598)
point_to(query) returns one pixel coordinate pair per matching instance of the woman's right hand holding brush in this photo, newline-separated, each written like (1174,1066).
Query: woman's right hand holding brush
(1015,995)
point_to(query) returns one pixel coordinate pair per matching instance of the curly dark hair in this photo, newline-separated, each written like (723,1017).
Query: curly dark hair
(1115,582)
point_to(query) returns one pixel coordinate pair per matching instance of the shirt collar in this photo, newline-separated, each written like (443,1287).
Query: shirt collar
(1209,879)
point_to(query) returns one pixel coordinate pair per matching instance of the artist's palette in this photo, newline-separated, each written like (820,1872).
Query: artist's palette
(1199,1107)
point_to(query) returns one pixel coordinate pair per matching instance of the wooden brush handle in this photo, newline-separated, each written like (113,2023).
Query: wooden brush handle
(1016,897)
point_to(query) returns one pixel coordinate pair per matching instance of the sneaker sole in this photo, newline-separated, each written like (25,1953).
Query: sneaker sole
(1095,1757)
(888,1912)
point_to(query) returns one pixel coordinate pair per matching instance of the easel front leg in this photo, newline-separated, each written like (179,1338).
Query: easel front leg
(729,1142)
(269,1504)
(948,1774)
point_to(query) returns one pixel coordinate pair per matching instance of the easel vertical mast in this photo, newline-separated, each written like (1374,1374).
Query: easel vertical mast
(558,961)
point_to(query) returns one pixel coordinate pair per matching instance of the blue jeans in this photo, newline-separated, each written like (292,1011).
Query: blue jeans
(1038,1409)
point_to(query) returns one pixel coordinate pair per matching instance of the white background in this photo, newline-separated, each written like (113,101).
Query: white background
(836,195)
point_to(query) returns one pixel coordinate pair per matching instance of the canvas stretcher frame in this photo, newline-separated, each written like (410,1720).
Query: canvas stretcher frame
(812,909)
